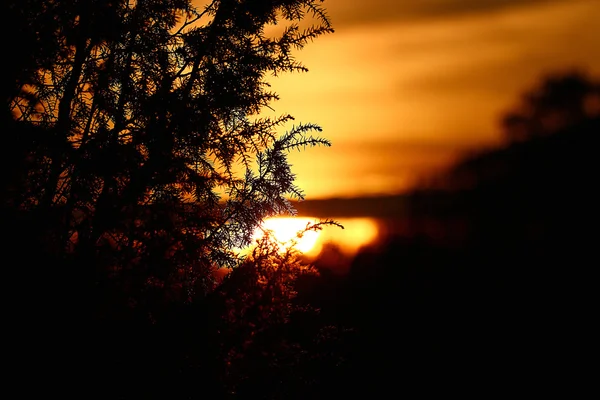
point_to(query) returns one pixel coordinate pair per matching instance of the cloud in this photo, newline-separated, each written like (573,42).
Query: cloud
(346,13)
(402,100)
(372,167)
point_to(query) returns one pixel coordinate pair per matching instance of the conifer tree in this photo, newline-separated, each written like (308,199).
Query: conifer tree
(140,155)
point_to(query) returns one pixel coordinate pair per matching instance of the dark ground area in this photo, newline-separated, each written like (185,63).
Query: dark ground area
(488,291)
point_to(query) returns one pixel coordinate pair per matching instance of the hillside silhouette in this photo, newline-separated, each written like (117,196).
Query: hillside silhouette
(487,286)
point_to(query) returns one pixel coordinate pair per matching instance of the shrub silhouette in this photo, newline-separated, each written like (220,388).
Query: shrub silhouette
(137,144)
(137,160)
(558,101)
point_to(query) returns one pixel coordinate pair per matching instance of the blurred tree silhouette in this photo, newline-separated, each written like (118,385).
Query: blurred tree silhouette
(560,100)
(137,154)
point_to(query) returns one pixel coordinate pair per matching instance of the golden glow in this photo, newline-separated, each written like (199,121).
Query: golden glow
(288,231)
(402,88)
(440,83)
(357,232)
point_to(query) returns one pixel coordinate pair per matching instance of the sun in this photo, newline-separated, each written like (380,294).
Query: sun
(286,229)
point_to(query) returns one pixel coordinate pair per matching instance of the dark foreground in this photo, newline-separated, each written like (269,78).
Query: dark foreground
(503,306)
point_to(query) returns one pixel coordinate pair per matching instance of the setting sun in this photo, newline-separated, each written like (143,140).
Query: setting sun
(286,231)
(357,232)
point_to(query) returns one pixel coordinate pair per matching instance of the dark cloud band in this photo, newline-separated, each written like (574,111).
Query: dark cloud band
(360,12)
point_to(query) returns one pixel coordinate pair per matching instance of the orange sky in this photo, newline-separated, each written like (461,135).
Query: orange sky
(403,86)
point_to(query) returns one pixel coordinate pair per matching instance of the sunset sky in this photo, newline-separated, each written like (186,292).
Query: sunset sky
(403,86)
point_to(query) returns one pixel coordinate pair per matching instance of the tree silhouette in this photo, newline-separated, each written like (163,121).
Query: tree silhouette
(558,101)
(138,154)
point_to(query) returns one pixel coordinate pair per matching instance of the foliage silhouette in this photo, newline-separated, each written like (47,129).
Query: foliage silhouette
(138,160)
(558,101)
(138,147)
